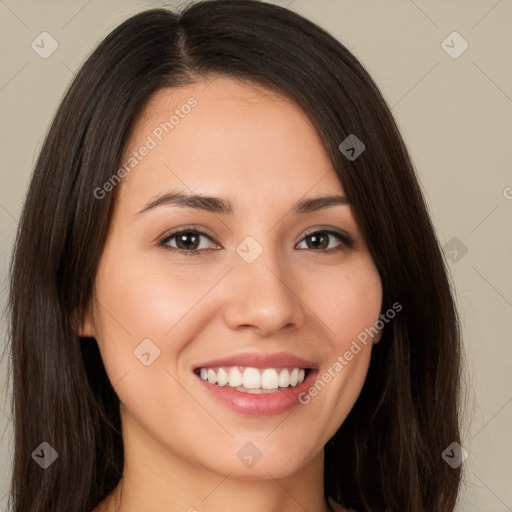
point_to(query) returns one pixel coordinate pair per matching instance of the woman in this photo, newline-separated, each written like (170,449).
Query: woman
(306,357)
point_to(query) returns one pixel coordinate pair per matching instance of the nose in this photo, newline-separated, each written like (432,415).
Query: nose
(263,296)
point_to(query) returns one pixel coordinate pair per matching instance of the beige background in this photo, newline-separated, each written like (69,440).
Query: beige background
(455,115)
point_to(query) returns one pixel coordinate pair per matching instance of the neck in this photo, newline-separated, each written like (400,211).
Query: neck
(158,480)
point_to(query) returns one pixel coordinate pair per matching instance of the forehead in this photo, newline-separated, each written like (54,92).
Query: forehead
(225,135)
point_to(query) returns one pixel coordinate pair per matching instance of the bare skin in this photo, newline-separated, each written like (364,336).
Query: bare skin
(260,152)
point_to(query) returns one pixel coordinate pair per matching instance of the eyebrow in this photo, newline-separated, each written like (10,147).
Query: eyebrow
(224,206)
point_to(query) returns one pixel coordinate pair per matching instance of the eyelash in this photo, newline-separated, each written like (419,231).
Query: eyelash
(346,242)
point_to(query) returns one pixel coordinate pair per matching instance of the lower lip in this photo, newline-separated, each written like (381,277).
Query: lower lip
(263,404)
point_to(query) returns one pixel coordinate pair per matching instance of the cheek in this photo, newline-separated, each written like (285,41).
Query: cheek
(349,308)
(139,301)
(148,300)
(347,300)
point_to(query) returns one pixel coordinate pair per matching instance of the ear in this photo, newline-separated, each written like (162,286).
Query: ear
(377,338)
(85,328)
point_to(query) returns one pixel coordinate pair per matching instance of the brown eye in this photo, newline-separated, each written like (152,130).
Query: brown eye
(318,241)
(187,242)
(323,241)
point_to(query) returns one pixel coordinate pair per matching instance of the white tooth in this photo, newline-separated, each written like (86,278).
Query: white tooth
(212,376)
(222,377)
(235,377)
(284,378)
(269,379)
(302,374)
(251,378)
(294,376)
(204,374)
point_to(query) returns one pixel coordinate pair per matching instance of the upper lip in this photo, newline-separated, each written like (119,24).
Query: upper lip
(258,360)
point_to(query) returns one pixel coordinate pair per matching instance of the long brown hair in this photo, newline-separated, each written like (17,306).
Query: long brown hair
(387,453)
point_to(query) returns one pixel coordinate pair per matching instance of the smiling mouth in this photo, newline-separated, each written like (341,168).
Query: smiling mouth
(254,380)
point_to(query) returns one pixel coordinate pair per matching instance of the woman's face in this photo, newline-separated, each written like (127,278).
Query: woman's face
(273,287)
